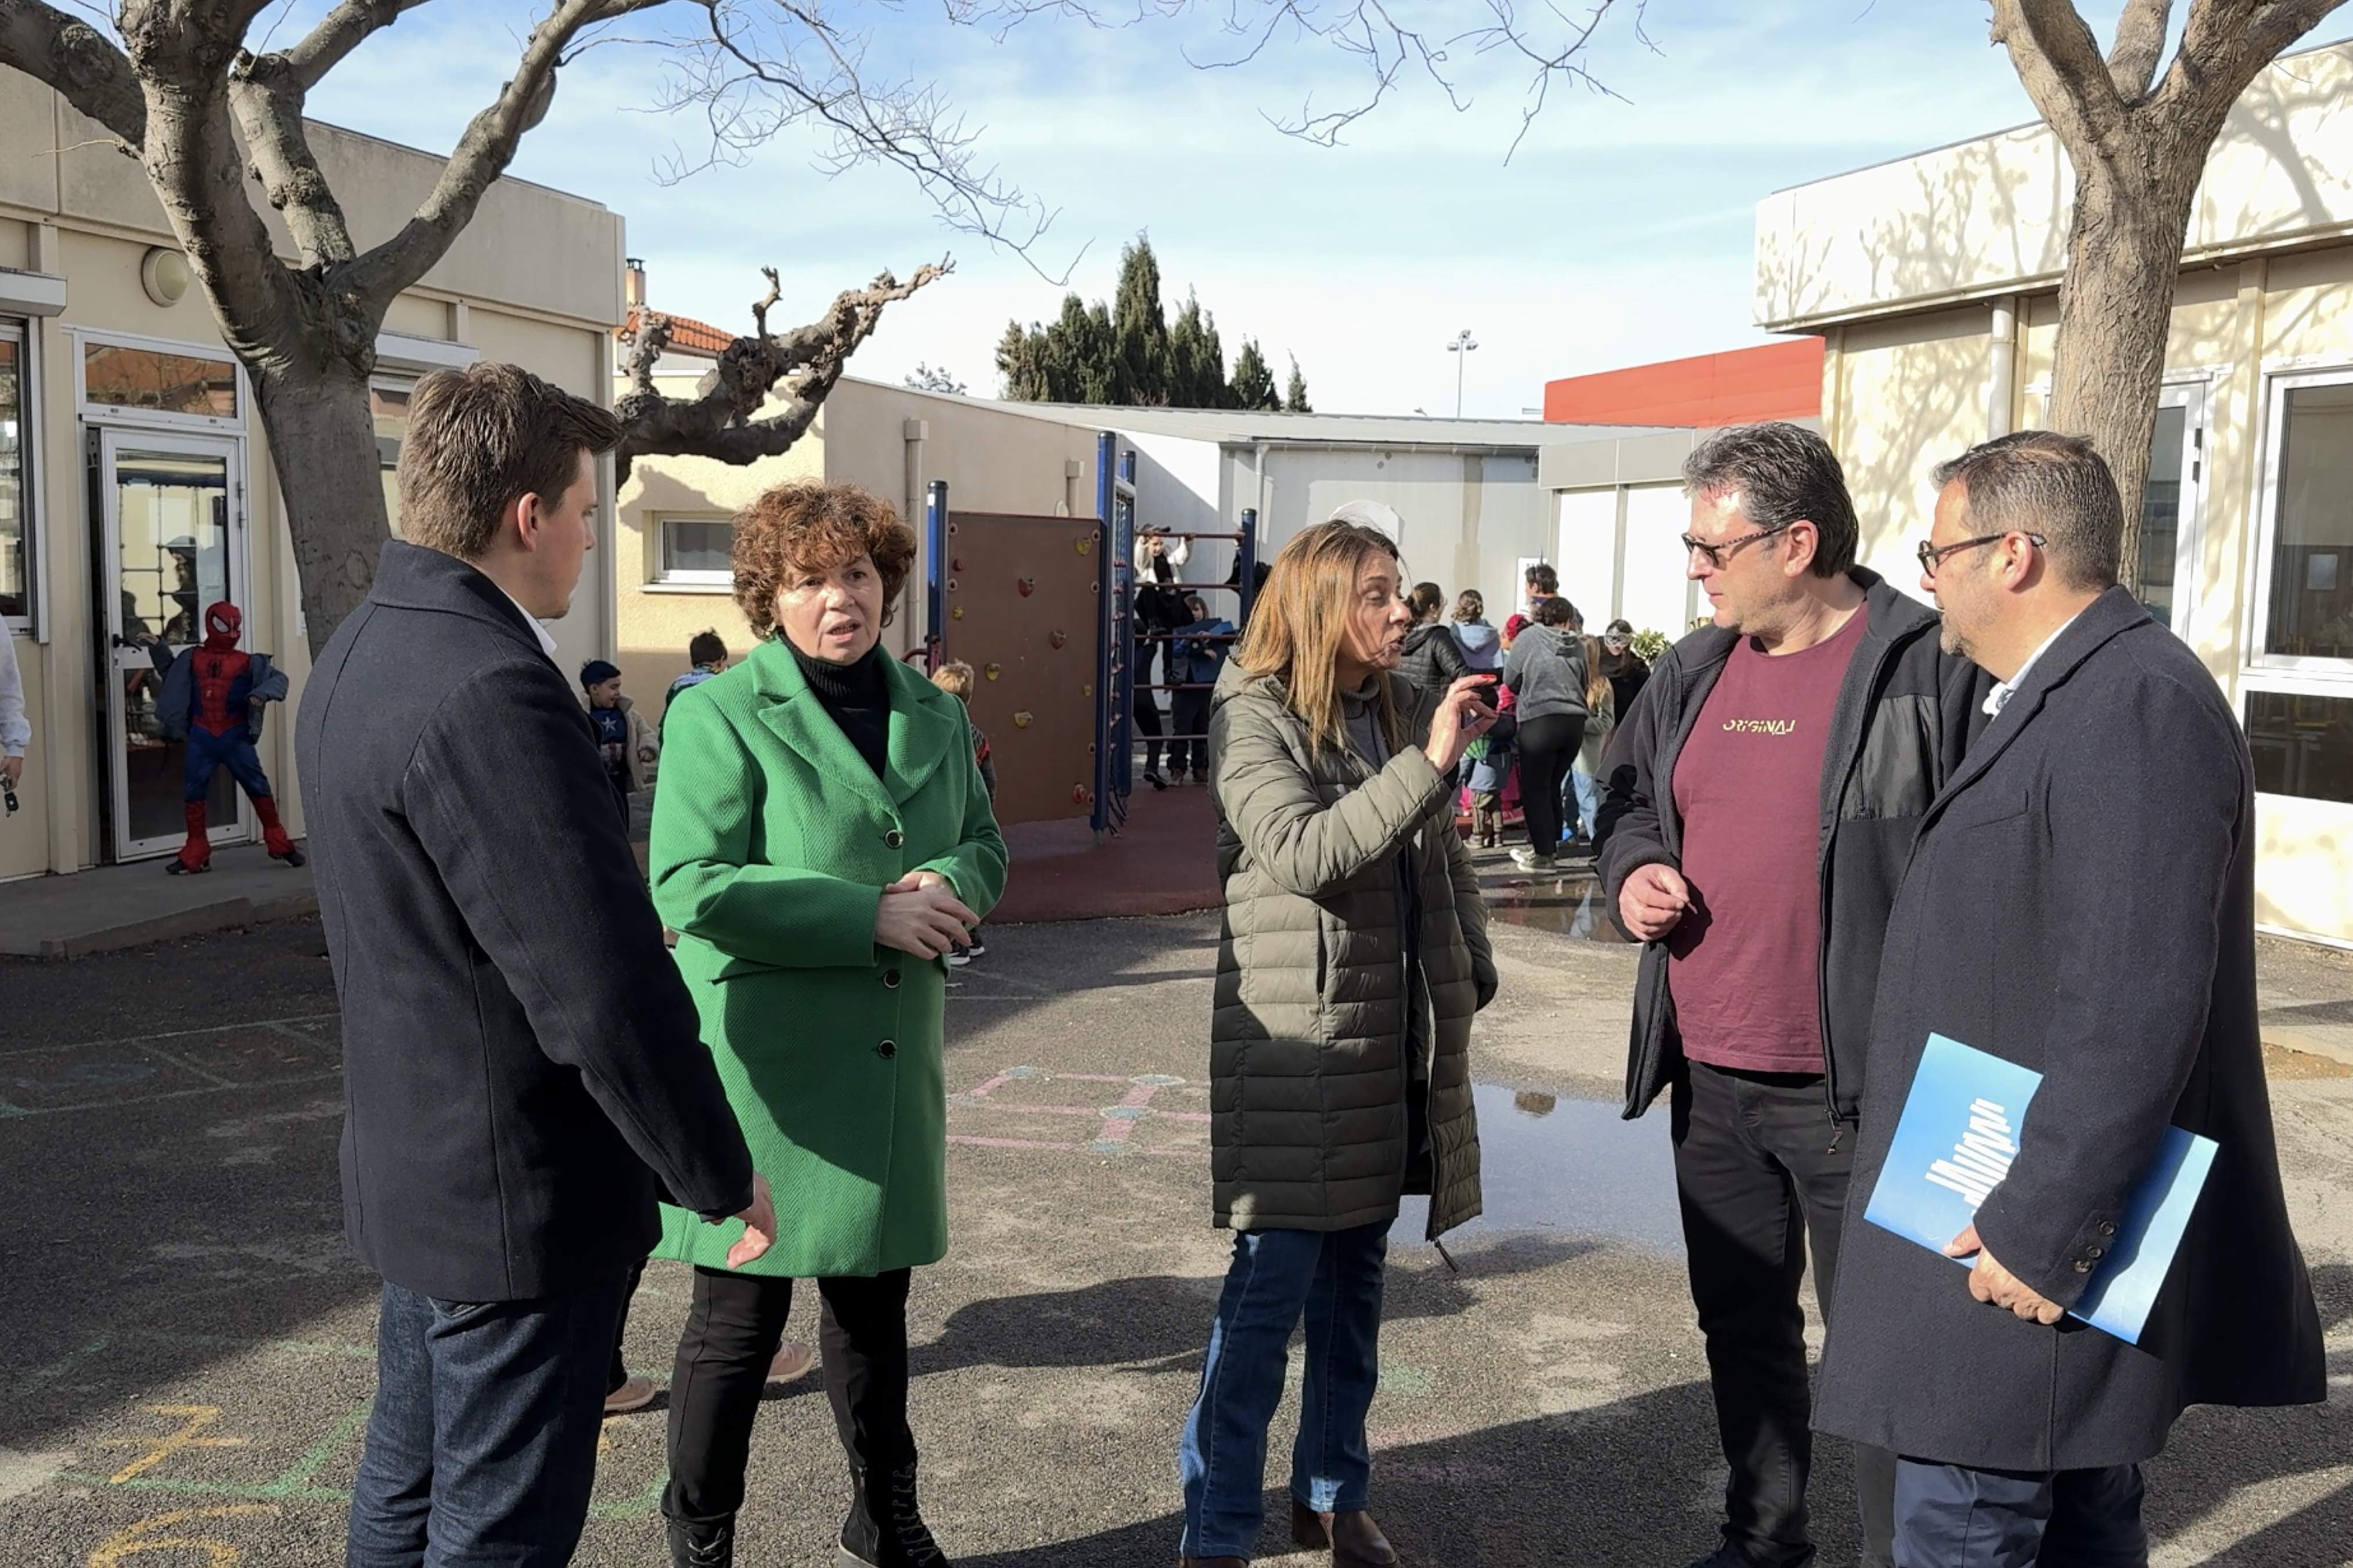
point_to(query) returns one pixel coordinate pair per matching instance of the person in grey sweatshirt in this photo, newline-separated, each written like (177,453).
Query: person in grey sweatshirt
(1482,645)
(1546,674)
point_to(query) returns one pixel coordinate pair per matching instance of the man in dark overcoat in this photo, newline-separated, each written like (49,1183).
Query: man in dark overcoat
(2080,902)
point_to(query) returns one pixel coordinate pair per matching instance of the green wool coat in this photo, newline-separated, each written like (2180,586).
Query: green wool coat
(772,843)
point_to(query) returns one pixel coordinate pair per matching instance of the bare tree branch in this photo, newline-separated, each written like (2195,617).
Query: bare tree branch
(2060,64)
(2226,44)
(481,155)
(78,60)
(2140,44)
(760,306)
(722,419)
(648,340)
(346,27)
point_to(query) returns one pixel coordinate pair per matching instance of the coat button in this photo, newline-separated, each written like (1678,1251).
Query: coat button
(890,979)
(2083,1266)
(2107,1227)
(2095,1252)
(892,839)
(887,1049)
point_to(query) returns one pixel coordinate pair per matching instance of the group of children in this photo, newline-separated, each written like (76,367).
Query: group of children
(631,748)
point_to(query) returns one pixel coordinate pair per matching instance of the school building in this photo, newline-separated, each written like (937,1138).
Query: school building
(135,479)
(1933,283)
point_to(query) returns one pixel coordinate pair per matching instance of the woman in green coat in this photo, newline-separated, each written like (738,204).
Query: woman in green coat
(822,841)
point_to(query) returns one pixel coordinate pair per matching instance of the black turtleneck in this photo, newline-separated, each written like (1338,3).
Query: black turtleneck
(858,696)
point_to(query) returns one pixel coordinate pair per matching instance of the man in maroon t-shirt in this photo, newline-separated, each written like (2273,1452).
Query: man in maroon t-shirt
(1760,796)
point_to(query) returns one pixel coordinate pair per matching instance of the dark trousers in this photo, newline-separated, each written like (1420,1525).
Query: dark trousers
(481,1448)
(1189,715)
(1760,1171)
(1949,1517)
(732,1330)
(1546,747)
(207,752)
(619,1372)
(1147,706)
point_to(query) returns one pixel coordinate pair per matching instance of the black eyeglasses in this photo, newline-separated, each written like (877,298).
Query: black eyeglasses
(1715,555)
(1933,556)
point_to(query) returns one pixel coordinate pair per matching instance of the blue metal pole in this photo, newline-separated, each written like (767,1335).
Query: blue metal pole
(935,609)
(1107,598)
(1247,579)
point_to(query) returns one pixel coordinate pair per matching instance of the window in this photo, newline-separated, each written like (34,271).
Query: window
(2161,513)
(2308,597)
(388,404)
(696,550)
(15,476)
(2302,745)
(159,380)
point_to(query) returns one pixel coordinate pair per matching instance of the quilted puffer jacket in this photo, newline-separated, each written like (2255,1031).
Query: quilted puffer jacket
(1331,1056)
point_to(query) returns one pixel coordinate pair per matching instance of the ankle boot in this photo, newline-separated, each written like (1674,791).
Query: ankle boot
(885,1528)
(705,1545)
(1354,1540)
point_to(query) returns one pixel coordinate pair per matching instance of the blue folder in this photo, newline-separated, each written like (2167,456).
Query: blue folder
(1961,1127)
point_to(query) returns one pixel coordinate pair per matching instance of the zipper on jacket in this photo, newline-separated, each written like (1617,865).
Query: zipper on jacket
(1887,653)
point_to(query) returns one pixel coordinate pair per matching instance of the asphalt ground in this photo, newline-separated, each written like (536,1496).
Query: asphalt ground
(185,1338)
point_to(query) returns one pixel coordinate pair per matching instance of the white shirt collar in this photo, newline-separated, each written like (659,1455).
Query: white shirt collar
(2003,691)
(547,641)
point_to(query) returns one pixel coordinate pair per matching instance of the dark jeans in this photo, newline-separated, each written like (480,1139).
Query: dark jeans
(1547,747)
(1189,715)
(732,1330)
(620,1370)
(1760,1171)
(1949,1517)
(1332,1279)
(481,1448)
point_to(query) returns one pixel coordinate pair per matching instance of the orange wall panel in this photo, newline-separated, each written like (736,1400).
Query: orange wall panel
(1774,381)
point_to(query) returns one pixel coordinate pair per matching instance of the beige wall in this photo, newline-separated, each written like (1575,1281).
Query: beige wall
(992,461)
(535,279)
(1904,391)
(1988,215)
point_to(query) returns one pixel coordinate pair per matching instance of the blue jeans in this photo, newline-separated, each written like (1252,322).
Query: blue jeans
(1950,1517)
(1585,815)
(481,1448)
(1333,1278)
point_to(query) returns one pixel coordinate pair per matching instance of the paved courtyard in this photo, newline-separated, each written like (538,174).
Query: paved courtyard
(185,1338)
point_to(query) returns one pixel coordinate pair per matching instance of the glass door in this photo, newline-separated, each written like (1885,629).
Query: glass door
(2168,508)
(175,543)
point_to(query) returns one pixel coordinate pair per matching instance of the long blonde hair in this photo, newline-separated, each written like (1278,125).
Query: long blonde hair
(1299,626)
(1597,684)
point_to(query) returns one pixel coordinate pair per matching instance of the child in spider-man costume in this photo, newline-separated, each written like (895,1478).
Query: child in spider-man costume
(212,698)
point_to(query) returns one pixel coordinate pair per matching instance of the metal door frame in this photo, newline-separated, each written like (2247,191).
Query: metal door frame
(108,442)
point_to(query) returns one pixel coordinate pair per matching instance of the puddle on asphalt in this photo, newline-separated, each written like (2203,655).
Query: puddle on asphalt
(1568,902)
(1563,1166)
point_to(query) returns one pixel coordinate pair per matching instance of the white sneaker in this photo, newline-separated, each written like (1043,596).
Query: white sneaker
(1526,859)
(958,957)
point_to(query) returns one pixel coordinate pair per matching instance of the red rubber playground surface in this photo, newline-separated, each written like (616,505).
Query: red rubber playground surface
(1163,862)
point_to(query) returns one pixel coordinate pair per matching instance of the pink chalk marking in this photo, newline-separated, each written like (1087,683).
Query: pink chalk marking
(991,1087)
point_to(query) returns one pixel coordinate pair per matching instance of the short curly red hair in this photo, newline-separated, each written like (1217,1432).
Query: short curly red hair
(805,526)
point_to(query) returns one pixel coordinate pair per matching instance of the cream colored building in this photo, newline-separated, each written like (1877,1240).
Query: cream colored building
(135,479)
(1935,281)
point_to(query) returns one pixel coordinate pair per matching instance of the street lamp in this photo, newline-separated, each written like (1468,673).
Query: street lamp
(1462,344)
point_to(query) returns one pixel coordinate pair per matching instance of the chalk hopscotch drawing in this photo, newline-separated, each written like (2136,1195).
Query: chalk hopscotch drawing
(1115,1124)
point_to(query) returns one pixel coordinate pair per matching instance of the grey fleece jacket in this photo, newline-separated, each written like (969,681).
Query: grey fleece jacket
(1545,671)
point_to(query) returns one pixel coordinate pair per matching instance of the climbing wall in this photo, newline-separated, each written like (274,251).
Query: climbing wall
(1021,596)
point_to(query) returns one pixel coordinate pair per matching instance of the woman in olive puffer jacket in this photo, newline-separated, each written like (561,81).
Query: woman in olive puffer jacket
(1354,953)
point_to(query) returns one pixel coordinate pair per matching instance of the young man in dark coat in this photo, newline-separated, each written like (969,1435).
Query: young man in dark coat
(522,1062)
(2081,902)
(1759,799)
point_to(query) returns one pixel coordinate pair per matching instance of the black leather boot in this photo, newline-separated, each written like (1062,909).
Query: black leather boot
(706,1545)
(885,1528)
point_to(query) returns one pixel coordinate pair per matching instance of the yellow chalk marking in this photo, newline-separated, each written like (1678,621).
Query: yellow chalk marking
(154,1534)
(198,1417)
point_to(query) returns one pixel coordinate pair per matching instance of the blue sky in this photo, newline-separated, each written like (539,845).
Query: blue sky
(1619,233)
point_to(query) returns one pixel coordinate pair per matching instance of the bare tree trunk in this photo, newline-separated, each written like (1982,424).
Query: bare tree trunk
(2115,307)
(322,448)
